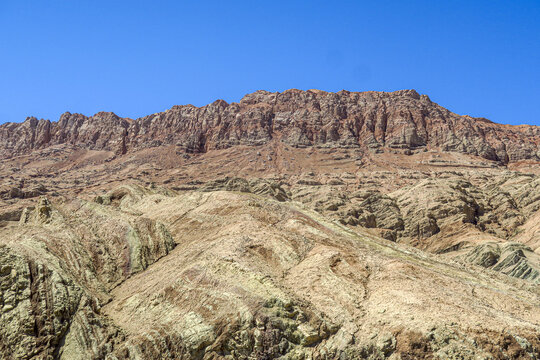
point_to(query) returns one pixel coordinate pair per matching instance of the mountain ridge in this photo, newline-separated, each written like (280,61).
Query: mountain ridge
(372,121)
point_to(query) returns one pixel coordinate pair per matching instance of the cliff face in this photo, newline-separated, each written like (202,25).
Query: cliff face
(294,225)
(102,131)
(368,120)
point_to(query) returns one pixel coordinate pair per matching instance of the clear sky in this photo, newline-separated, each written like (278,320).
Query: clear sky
(134,58)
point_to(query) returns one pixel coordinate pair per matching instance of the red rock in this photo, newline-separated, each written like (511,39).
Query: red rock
(368,120)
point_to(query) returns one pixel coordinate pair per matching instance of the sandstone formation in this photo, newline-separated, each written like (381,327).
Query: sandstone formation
(370,120)
(250,277)
(294,225)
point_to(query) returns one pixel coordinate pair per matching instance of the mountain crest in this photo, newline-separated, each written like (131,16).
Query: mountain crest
(370,121)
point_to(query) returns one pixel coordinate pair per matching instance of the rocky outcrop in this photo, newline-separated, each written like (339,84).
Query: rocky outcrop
(19,192)
(510,258)
(46,314)
(369,120)
(58,265)
(495,205)
(252,275)
(254,186)
(103,131)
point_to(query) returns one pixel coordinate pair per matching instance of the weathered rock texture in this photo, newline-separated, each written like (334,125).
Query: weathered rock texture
(369,120)
(58,265)
(294,225)
(250,276)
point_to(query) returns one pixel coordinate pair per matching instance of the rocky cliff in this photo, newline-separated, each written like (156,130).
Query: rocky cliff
(368,120)
(294,225)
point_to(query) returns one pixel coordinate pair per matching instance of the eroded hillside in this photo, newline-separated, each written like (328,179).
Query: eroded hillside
(146,273)
(294,225)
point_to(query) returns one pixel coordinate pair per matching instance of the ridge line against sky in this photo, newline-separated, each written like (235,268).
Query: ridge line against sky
(237,101)
(136,58)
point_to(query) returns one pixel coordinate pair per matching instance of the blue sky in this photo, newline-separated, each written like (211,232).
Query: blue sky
(139,57)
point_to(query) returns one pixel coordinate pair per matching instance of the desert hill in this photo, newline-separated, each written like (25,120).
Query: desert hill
(293,225)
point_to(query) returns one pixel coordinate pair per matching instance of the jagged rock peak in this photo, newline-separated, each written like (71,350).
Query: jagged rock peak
(372,121)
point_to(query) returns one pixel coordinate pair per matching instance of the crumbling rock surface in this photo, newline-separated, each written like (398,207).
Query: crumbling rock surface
(369,120)
(294,225)
(41,308)
(498,205)
(510,258)
(59,263)
(254,186)
(248,276)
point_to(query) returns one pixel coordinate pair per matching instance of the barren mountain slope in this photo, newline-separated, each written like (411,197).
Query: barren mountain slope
(294,225)
(249,277)
(373,120)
